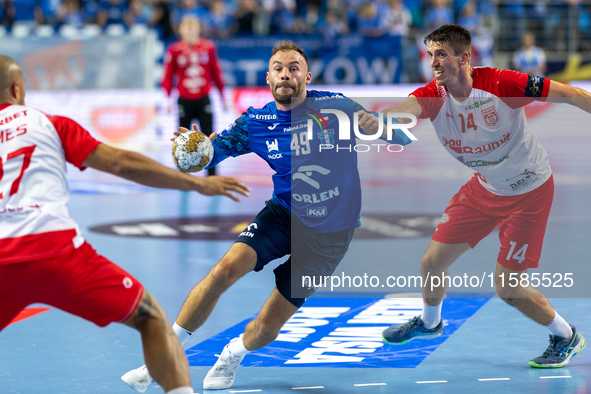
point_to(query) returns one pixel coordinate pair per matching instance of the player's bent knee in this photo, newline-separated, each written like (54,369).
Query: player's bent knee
(511,295)
(266,332)
(226,272)
(431,264)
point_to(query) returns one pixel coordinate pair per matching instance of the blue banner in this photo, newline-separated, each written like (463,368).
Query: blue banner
(351,59)
(342,333)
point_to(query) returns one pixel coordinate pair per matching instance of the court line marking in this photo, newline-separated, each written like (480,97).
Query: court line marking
(245,391)
(432,381)
(491,379)
(308,388)
(556,377)
(369,384)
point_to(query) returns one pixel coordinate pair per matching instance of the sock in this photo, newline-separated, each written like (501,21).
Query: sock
(237,348)
(181,390)
(431,315)
(559,327)
(181,333)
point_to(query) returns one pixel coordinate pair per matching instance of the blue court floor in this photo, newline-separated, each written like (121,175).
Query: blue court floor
(486,346)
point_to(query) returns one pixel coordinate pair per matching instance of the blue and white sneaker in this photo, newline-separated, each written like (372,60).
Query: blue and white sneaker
(560,351)
(415,328)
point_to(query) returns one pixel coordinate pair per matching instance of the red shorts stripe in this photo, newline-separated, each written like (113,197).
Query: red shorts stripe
(81,282)
(474,212)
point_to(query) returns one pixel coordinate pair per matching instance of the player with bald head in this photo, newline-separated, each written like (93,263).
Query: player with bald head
(12,81)
(44,257)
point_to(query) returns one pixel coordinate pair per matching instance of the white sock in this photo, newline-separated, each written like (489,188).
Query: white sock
(237,348)
(559,327)
(181,333)
(182,390)
(431,315)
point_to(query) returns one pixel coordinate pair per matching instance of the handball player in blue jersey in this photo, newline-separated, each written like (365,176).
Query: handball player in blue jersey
(315,205)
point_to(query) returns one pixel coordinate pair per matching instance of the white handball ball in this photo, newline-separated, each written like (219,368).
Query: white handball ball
(192,151)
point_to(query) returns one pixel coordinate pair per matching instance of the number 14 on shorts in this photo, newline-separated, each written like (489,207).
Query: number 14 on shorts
(519,255)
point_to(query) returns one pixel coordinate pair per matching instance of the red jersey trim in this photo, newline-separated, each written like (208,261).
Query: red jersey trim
(37,246)
(3,106)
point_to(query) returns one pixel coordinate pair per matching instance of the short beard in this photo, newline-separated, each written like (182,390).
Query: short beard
(284,101)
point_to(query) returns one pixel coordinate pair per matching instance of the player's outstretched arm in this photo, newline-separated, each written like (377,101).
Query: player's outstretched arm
(369,123)
(562,93)
(145,171)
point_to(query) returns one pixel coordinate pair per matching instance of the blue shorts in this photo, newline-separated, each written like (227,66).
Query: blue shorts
(272,233)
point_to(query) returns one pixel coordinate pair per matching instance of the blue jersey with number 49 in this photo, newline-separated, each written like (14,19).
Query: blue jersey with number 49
(316,178)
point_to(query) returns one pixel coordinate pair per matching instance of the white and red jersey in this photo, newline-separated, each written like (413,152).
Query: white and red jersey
(34,148)
(488,131)
(195,67)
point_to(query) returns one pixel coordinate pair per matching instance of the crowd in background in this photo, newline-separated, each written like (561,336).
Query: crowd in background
(555,22)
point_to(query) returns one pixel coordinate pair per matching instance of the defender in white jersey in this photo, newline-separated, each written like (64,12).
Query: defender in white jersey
(479,118)
(45,259)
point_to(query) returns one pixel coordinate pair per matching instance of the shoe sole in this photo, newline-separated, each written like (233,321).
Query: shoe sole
(575,351)
(429,336)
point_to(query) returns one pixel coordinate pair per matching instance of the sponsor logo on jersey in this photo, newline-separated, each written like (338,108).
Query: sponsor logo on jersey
(273,146)
(449,115)
(456,145)
(296,127)
(527,177)
(273,127)
(336,96)
(490,115)
(317,212)
(444,218)
(263,117)
(481,163)
(477,104)
(305,172)
(535,86)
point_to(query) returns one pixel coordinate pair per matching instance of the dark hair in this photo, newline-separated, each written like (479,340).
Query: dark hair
(455,36)
(287,45)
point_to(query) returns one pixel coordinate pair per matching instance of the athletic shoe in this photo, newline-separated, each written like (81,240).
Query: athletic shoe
(222,375)
(560,351)
(414,328)
(139,379)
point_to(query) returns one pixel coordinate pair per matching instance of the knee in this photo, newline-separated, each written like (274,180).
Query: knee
(430,263)
(225,273)
(265,332)
(511,295)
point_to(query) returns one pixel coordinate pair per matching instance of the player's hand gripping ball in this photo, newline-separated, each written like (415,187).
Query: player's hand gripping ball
(191,151)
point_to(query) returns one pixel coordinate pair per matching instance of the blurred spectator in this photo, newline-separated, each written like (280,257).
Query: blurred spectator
(70,13)
(399,18)
(27,12)
(218,23)
(283,19)
(511,24)
(161,20)
(352,12)
(111,12)
(530,59)
(187,8)
(4,7)
(137,13)
(470,18)
(90,10)
(247,11)
(50,10)
(331,29)
(438,15)
(372,21)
